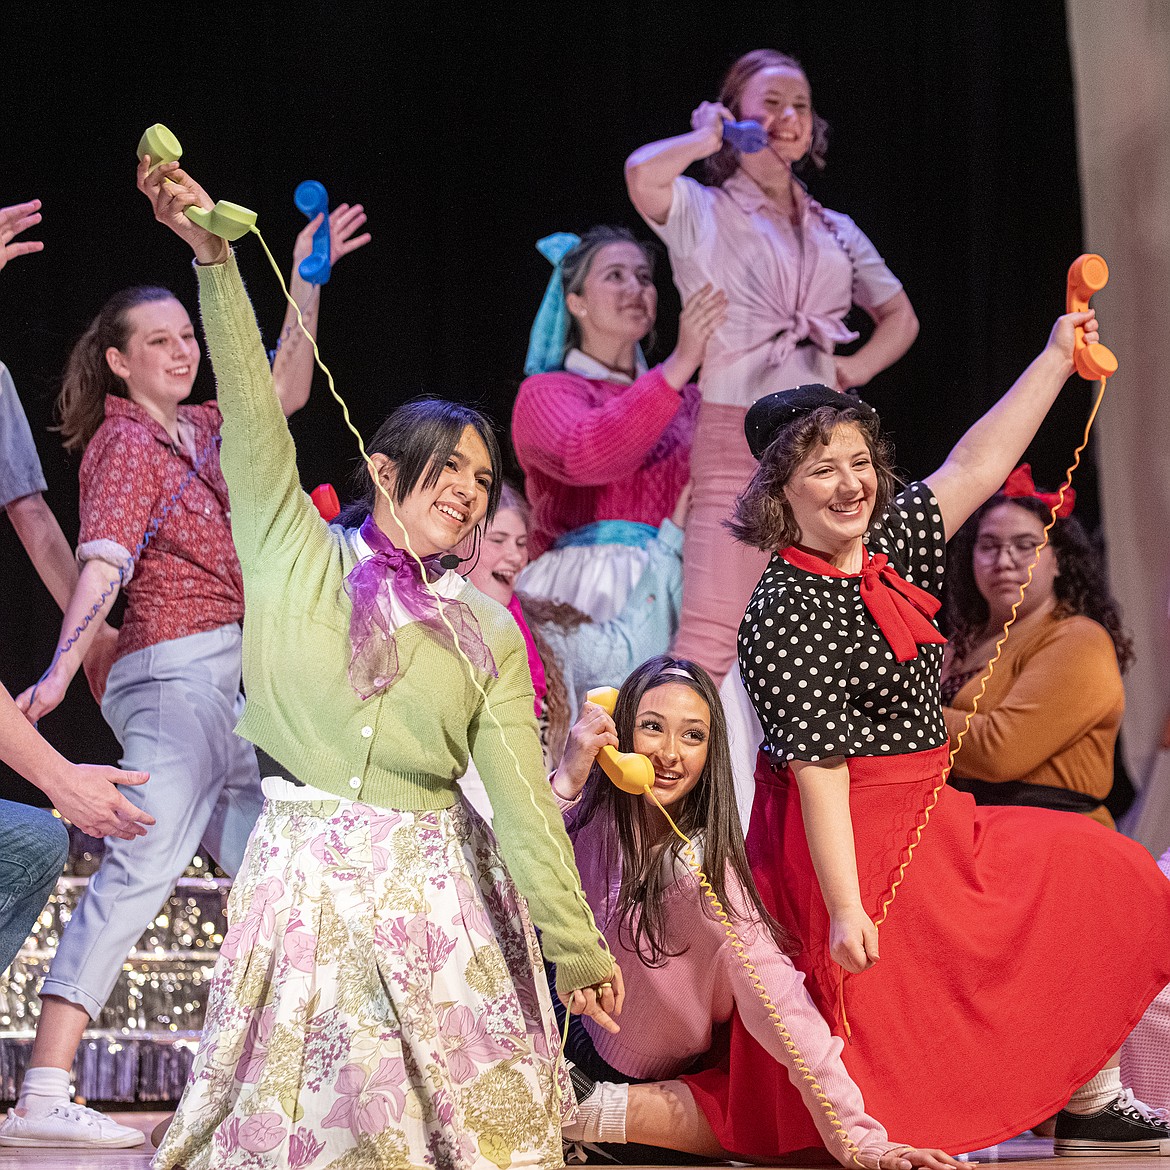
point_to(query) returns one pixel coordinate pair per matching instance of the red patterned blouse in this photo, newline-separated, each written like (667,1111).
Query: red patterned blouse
(187,580)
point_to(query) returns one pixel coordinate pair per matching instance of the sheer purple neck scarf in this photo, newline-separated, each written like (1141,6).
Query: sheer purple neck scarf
(391,572)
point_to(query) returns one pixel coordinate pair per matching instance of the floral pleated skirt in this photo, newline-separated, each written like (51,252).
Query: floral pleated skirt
(378,1002)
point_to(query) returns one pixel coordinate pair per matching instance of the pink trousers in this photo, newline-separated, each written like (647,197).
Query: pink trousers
(719,573)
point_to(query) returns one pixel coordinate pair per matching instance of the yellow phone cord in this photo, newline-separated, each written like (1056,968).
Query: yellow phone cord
(932,800)
(798,1061)
(575,881)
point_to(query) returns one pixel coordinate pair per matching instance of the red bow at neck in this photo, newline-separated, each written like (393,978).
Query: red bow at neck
(902,611)
(1020,485)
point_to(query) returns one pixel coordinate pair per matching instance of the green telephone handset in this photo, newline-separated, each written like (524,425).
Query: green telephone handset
(628,770)
(227,220)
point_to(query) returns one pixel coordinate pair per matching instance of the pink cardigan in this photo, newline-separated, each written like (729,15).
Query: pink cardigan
(671,1010)
(596,450)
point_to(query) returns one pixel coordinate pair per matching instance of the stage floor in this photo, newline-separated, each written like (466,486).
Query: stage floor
(1023,1153)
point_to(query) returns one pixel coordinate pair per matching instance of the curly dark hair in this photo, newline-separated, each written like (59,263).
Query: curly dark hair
(1080,587)
(763,517)
(708,812)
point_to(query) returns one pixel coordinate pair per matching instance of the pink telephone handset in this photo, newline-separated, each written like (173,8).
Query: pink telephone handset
(628,770)
(1088,274)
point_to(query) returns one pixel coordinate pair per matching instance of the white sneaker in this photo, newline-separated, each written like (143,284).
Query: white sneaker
(68,1125)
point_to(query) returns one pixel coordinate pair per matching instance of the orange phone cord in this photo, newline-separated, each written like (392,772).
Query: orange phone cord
(932,800)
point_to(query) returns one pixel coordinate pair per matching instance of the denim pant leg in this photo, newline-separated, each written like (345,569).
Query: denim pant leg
(34,846)
(169,708)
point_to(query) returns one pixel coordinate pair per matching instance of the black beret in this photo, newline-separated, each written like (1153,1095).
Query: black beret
(771,413)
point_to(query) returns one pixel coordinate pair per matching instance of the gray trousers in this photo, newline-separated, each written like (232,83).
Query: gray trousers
(173,707)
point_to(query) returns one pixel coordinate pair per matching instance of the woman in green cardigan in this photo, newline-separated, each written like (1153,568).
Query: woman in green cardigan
(378,995)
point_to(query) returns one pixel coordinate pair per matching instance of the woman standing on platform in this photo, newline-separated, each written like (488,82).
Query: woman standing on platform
(605,444)
(1047,723)
(999,926)
(379,997)
(791,269)
(150,465)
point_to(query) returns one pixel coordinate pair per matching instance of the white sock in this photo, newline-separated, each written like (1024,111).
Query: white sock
(601,1117)
(41,1090)
(1094,1096)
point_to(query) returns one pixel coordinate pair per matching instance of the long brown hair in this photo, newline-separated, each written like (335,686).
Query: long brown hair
(725,162)
(763,517)
(708,811)
(81,404)
(1080,585)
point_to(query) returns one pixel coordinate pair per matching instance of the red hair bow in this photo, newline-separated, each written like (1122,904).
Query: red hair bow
(1020,485)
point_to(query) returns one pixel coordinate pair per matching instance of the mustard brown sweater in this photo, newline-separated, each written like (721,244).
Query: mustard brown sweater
(1051,713)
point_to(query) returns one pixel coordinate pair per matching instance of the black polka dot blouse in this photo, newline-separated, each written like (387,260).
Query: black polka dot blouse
(822,678)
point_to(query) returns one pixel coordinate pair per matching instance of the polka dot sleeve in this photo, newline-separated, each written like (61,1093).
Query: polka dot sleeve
(911,534)
(796,669)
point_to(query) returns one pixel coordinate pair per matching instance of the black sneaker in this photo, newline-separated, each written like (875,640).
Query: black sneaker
(1126,1128)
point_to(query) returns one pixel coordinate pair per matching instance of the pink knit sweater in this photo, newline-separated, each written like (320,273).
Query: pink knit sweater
(595,450)
(671,1010)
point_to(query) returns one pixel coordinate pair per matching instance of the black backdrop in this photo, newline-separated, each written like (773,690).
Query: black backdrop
(470,131)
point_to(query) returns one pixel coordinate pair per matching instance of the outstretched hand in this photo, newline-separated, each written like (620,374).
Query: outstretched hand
(14,220)
(344,220)
(171,191)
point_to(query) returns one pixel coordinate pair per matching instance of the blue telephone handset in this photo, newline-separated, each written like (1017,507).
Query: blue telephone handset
(747,137)
(312,200)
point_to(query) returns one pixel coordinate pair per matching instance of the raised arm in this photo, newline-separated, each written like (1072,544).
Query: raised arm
(272,517)
(828,825)
(292,370)
(652,169)
(985,456)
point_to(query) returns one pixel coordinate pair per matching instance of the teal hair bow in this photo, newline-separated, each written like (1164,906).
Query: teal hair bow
(546,342)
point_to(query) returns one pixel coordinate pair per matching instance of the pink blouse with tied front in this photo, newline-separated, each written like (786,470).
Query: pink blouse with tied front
(785,284)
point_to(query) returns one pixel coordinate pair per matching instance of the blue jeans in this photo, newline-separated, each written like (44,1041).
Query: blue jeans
(34,846)
(173,707)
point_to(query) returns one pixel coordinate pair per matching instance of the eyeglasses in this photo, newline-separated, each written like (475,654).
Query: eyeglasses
(1019,550)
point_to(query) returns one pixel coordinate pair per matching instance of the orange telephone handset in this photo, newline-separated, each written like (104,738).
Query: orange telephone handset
(1089,274)
(629,771)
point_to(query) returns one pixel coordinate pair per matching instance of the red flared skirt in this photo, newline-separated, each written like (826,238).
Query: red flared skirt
(1020,949)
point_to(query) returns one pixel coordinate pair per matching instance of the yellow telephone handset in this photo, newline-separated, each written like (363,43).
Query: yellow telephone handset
(629,771)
